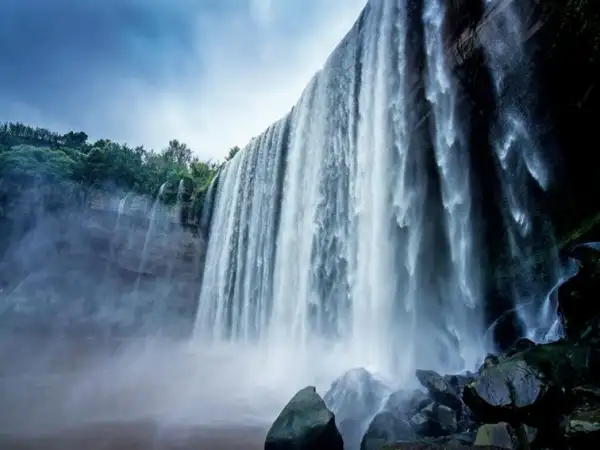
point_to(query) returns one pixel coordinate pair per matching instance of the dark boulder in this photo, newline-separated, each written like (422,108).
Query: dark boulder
(407,403)
(532,387)
(439,389)
(498,434)
(435,420)
(421,423)
(386,427)
(586,393)
(579,296)
(519,346)
(446,418)
(305,423)
(459,381)
(489,361)
(437,444)
(582,426)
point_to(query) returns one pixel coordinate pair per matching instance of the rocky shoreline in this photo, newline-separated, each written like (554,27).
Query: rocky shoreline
(530,397)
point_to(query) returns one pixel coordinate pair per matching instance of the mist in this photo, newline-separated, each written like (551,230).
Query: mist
(98,304)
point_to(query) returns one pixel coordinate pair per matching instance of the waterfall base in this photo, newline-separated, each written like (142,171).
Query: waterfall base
(76,389)
(128,436)
(64,387)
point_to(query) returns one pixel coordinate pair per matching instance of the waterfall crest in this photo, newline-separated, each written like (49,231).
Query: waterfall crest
(351,225)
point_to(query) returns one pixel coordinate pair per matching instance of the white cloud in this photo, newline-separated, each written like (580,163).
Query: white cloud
(243,74)
(261,10)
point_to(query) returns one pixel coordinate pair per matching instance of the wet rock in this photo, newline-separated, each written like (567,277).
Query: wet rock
(519,346)
(489,361)
(507,391)
(458,382)
(578,300)
(529,433)
(305,423)
(466,437)
(466,423)
(529,387)
(446,418)
(421,423)
(438,444)
(439,389)
(407,403)
(386,427)
(582,428)
(498,434)
(355,398)
(589,392)
(435,420)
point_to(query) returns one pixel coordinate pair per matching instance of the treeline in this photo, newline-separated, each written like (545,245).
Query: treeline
(67,166)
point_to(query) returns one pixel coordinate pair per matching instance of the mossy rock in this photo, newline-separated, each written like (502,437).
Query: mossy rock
(443,444)
(305,423)
(582,429)
(579,297)
(531,387)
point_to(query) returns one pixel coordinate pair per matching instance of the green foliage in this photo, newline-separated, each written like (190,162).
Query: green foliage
(36,156)
(232,152)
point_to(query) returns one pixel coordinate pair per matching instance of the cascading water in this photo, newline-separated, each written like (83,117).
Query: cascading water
(464,291)
(154,218)
(521,167)
(111,255)
(345,235)
(179,198)
(178,217)
(236,287)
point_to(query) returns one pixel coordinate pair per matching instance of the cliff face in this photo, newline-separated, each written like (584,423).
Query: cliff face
(563,42)
(568,63)
(87,272)
(91,271)
(563,39)
(369,163)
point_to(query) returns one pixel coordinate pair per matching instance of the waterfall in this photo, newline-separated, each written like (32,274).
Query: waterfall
(179,207)
(116,229)
(349,228)
(153,222)
(522,167)
(464,289)
(237,283)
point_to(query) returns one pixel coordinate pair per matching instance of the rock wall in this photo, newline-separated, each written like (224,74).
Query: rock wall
(93,271)
(564,40)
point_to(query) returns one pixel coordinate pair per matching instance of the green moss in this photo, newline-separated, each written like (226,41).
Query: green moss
(563,362)
(590,226)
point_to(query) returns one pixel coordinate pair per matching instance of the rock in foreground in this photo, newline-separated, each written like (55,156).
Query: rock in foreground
(305,423)
(437,445)
(528,387)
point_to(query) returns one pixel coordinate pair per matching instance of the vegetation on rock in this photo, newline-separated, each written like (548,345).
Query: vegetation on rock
(532,397)
(65,168)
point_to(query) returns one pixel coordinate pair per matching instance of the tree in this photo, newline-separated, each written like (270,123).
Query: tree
(232,152)
(178,153)
(67,164)
(75,140)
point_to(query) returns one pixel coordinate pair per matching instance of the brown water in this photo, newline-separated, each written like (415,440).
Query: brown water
(134,436)
(85,394)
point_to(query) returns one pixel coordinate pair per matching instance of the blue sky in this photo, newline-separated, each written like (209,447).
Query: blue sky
(211,73)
